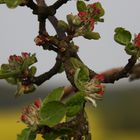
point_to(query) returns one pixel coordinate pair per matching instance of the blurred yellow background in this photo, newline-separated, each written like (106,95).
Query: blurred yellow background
(117,117)
(10,127)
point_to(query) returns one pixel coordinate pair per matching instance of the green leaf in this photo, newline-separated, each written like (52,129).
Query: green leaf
(81,6)
(99,6)
(122,36)
(131,49)
(76,63)
(51,136)
(82,73)
(25,65)
(2,1)
(75,104)
(27,134)
(52,113)
(81,77)
(5,68)
(76,20)
(11,80)
(8,74)
(91,35)
(12,3)
(32,70)
(62,25)
(73,110)
(55,95)
(28,62)
(70,18)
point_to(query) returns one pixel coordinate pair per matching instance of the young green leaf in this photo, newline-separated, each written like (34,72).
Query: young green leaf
(27,134)
(4,75)
(81,6)
(32,70)
(122,36)
(76,63)
(55,95)
(28,62)
(12,3)
(82,73)
(131,49)
(99,6)
(75,104)
(2,1)
(76,20)
(11,80)
(91,35)
(70,18)
(80,77)
(62,25)
(5,68)
(52,113)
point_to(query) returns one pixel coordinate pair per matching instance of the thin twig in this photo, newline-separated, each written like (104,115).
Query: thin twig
(59,3)
(122,73)
(47,75)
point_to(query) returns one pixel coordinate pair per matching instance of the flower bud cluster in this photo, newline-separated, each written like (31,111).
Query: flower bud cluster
(137,41)
(94,86)
(95,11)
(133,48)
(18,72)
(94,89)
(30,114)
(18,59)
(91,16)
(87,20)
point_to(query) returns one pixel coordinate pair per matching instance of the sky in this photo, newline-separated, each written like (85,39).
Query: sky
(18,28)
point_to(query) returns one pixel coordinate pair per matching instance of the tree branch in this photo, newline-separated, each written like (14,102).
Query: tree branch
(41,2)
(47,75)
(53,20)
(133,74)
(59,3)
(30,4)
(78,127)
(116,74)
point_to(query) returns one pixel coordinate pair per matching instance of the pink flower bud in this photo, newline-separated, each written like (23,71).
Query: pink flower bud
(100,77)
(18,59)
(99,86)
(101,92)
(93,6)
(37,103)
(24,118)
(95,9)
(92,23)
(11,58)
(137,41)
(82,14)
(25,54)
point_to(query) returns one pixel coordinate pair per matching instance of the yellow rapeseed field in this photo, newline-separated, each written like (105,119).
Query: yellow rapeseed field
(10,127)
